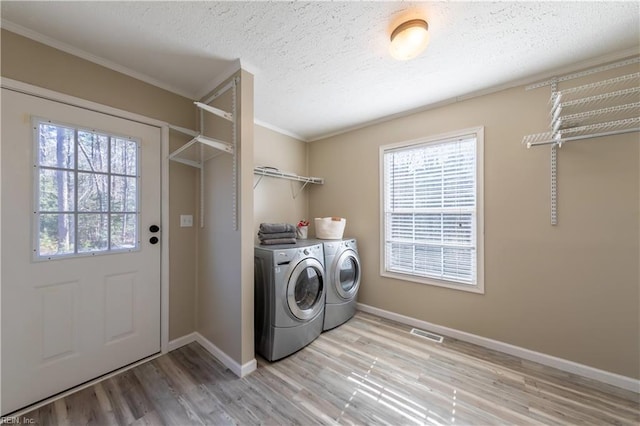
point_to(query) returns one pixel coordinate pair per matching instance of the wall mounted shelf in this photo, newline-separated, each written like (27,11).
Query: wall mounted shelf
(262,171)
(201,149)
(603,108)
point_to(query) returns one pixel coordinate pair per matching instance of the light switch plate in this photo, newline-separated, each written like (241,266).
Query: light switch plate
(186,220)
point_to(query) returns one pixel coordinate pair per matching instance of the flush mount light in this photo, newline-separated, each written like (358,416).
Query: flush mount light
(409,39)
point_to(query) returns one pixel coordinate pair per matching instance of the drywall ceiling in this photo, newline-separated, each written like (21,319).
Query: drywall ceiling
(323,67)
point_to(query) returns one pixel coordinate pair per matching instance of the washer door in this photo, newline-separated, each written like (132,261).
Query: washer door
(305,289)
(346,274)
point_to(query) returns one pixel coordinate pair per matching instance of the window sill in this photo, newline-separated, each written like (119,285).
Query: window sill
(478,289)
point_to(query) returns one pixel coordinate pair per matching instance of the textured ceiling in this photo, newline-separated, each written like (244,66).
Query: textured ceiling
(323,67)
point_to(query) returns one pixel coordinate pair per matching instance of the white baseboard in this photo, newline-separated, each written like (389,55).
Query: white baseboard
(219,354)
(613,379)
(226,360)
(182,341)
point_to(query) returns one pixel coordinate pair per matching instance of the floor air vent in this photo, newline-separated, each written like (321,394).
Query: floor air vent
(427,335)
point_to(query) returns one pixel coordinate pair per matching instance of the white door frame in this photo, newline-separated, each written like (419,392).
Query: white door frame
(29,89)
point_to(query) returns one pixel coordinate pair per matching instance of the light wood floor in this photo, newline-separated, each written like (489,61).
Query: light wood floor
(368,371)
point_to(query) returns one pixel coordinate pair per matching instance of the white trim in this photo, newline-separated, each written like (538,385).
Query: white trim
(165,224)
(616,56)
(279,130)
(478,132)
(52,95)
(0,270)
(607,377)
(182,341)
(226,360)
(41,38)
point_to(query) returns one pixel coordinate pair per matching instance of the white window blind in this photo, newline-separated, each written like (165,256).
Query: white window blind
(430,210)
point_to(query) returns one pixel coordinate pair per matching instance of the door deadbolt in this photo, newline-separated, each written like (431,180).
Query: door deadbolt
(154,228)
(153,240)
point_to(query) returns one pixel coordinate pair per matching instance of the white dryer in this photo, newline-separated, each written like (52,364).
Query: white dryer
(289,297)
(342,269)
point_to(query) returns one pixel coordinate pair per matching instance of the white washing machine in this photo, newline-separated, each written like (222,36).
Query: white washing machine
(342,269)
(289,298)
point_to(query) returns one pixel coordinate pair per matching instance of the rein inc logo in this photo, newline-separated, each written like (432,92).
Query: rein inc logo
(16,420)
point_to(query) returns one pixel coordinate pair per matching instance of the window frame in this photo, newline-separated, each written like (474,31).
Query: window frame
(478,132)
(35,222)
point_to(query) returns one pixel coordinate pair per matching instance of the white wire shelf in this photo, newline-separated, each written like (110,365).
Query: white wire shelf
(272,172)
(613,113)
(584,132)
(262,171)
(199,150)
(603,100)
(599,87)
(607,107)
(216,111)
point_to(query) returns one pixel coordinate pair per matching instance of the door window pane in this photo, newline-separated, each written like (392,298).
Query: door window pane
(123,231)
(57,234)
(93,152)
(93,230)
(56,190)
(124,157)
(124,194)
(56,146)
(86,191)
(93,195)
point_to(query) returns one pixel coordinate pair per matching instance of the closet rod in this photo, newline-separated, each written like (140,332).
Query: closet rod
(589,71)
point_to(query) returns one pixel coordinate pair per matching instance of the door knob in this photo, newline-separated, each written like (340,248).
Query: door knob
(154,228)
(153,240)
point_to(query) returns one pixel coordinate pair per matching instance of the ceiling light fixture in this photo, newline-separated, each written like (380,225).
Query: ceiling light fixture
(409,39)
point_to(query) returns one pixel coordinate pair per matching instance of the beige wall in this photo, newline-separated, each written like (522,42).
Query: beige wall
(182,248)
(273,198)
(34,63)
(570,291)
(225,254)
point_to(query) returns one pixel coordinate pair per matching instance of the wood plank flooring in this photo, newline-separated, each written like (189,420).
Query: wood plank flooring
(368,371)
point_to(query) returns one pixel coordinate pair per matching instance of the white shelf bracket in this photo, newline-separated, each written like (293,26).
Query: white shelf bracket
(216,111)
(295,194)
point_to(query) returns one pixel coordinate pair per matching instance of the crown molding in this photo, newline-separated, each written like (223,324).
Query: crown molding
(46,40)
(578,66)
(279,130)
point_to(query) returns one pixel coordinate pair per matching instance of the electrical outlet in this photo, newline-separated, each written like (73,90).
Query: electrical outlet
(186,221)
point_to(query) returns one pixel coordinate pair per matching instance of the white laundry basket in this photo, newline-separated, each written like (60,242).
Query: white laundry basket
(330,228)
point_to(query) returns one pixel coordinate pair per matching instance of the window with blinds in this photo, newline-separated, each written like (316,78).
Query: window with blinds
(431,217)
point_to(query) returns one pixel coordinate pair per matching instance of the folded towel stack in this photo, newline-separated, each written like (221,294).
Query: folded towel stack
(277,233)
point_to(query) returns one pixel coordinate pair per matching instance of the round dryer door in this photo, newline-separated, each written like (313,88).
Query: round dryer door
(305,289)
(347,274)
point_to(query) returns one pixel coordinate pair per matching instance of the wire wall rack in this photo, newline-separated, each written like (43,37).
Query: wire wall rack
(603,108)
(262,171)
(201,148)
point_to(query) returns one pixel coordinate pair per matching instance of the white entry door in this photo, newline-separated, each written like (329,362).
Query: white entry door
(80,271)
